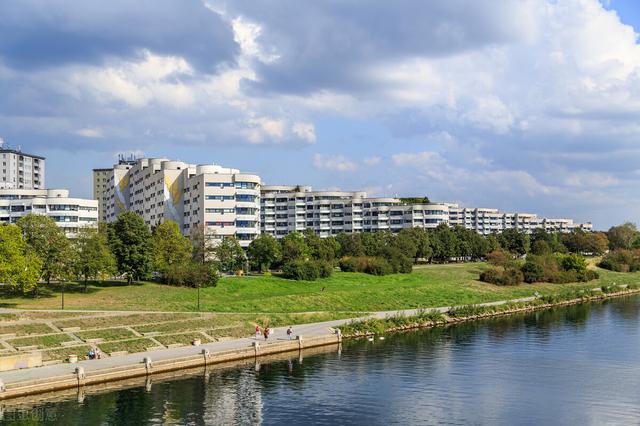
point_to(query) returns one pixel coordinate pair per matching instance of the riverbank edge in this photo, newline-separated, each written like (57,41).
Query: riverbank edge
(207,358)
(518,310)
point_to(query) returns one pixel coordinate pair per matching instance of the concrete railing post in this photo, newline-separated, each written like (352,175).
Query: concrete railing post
(79,371)
(205,355)
(339,335)
(299,339)
(148,364)
(256,348)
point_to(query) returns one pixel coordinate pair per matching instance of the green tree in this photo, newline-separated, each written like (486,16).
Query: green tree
(540,247)
(406,243)
(263,252)
(170,248)
(321,248)
(350,244)
(20,267)
(622,236)
(92,255)
(49,243)
(229,254)
(132,246)
(443,242)
(420,238)
(294,247)
(514,241)
(202,243)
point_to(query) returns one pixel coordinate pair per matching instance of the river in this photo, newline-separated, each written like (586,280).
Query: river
(578,365)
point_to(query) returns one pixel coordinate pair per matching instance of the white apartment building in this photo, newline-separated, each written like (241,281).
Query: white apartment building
(285,209)
(487,221)
(19,170)
(103,178)
(222,200)
(69,213)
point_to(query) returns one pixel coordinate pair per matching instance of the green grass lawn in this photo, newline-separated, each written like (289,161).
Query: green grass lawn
(106,334)
(131,346)
(40,341)
(182,338)
(26,329)
(428,286)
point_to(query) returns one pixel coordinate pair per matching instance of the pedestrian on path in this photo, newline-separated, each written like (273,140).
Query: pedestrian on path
(257,331)
(266,333)
(289,333)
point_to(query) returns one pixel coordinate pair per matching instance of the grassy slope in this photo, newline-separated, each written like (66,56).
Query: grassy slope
(437,285)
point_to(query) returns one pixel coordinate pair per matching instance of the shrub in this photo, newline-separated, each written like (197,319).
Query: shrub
(563,277)
(378,266)
(349,264)
(301,270)
(572,262)
(533,272)
(399,262)
(498,258)
(622,260)
(325,268)
(492,276)
(512,276)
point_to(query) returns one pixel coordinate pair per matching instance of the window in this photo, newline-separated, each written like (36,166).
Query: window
(246,185)
(219,211)
(245,210)
(245,198)
(245,223)
(218,197)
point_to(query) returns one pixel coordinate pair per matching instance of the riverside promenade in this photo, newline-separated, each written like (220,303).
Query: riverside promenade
(49,378)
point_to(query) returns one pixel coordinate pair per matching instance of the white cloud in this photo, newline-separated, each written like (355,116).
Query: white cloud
(88,132)
(305,131)
(372,161)
(338,163)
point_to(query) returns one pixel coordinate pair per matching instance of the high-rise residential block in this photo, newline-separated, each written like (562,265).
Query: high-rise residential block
(19,170)
(223,201)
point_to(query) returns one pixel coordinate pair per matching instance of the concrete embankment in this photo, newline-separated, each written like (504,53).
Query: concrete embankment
(67,376)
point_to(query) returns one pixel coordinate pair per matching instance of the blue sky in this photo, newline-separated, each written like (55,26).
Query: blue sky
(523,105)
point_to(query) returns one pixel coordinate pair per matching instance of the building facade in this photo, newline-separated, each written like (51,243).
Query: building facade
(21,171)
(69,213)
(103,178)
(285,209)
(221,200)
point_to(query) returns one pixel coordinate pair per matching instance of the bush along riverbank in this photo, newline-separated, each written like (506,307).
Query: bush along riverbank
(428,318)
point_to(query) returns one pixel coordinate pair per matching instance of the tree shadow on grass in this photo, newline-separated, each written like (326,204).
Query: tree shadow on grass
(54,289)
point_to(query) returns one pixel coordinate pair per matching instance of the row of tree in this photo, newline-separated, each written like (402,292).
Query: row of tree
(35,250)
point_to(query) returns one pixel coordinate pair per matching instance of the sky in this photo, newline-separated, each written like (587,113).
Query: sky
(521,105)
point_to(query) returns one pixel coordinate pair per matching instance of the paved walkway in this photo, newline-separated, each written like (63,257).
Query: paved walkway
(279,334)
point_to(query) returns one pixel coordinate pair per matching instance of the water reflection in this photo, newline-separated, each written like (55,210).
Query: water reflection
(572,365)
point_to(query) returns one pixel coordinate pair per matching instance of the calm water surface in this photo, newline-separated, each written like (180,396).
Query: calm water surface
(572,366)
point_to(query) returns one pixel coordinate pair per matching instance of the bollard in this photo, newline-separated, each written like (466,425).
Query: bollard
(256,347)
(2,386)
(205,355)
(81,376)
(148,363)
(299,339)
(339,335)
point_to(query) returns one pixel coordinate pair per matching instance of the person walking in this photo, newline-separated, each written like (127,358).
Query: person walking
(257,331)
(266,334)
(289,333)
